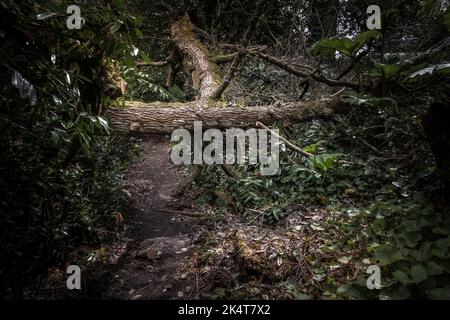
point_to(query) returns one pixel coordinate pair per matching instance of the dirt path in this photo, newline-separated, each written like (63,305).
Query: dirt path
(158,242)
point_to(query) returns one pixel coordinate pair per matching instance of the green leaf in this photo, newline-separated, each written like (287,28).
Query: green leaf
(349,291)
(328,47)
(119,4)
(414,225)
(313,148)
(429,70)
(440,230)
(115,27)
(440,293)
(411,238)
(358,99)
(138,33)
(434,269)
(401,276)
(399,294)
(387,255)
(347,47)
(418,273)
(345,259)
(385,71)
(325,162)
(145,57)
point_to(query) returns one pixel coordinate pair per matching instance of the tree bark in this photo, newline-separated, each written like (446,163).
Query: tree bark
(203,71)
(140,117)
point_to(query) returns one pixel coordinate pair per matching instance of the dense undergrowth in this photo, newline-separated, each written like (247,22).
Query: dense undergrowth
(374,171)
(61,170)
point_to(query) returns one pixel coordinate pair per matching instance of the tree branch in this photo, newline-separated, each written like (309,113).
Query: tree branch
(217,94)
(288,143)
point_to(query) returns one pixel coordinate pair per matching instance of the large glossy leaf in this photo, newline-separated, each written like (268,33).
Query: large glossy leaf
(44,16)
(385,71)
(429,70)
(345,46)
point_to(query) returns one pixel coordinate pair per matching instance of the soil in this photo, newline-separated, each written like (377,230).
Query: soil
(166,251)
(160,236)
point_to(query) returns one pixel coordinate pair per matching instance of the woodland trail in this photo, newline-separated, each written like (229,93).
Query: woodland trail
(159,240)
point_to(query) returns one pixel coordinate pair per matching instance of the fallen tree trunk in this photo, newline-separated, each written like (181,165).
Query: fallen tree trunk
(138,117)
(159,117)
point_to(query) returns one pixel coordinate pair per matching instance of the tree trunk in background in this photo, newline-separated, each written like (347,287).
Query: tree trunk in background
(437,130)
(196,58)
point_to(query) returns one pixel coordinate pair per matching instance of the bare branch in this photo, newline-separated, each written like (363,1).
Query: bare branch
(241,52)
(307,75)
(288,143)
(152,63)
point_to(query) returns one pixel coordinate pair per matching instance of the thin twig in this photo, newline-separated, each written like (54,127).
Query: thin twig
(288,143)
(184,213)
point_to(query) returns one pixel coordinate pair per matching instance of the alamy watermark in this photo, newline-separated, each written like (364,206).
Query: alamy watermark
(249,146)
(74,21)
(374,280)
(74,279)
(374,20)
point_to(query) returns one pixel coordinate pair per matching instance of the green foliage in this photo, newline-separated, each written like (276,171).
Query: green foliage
(60,169)
(366,99)
(141,86)
(325,162)
(429,70)
(380,211)
(345,46)
(413,255)
(385,71)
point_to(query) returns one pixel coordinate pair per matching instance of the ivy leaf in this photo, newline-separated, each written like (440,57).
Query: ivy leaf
(434,269)
(441,230)
(401,276)
(414,225)
(411,238)
(418,273)
(387,255)
(400,294)
(440,293)
(345,259)
(349,291)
